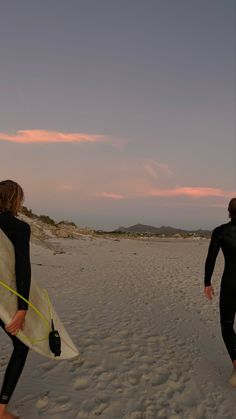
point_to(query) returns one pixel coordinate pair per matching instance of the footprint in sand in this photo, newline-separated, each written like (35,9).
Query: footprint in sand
(62,408)
(81,383)
(134,378)
(42,403)
(48,366)
(98,371)
(107,376)
(135,415)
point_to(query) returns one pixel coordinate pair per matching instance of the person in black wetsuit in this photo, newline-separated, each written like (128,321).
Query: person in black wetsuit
(11,198)
(224,238)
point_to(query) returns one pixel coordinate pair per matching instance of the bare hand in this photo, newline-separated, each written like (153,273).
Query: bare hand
(17,322)
(209,292)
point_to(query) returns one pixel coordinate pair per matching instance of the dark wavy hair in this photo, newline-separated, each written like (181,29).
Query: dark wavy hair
(232,208)
(11,196)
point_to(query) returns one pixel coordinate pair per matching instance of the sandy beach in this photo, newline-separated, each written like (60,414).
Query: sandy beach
(150,342)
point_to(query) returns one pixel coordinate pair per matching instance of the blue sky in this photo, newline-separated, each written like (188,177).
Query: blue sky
(117,112)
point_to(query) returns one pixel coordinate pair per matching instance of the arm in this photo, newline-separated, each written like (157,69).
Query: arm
(23,277)
(22,264)
(213,251)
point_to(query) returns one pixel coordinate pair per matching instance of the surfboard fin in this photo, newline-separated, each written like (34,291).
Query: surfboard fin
(54,341)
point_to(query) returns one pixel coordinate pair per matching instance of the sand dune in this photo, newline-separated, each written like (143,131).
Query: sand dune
(150,342)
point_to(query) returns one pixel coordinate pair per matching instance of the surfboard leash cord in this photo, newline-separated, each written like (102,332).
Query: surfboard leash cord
(45,320)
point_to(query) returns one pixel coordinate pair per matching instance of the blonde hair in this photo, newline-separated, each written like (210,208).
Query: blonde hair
(232,208)
(11,196)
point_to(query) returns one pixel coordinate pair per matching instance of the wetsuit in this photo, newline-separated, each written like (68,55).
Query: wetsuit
(224,238)
(19,233)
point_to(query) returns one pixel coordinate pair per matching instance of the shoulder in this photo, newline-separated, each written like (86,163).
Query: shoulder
(220,229)
(22,226)
(13,223)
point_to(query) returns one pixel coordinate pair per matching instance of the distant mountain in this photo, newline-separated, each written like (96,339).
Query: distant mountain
(167,230)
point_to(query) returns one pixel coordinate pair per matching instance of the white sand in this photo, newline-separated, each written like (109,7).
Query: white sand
(150,342)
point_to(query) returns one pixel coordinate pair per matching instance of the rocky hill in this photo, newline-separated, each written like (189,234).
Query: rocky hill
(43,227)
(163,230)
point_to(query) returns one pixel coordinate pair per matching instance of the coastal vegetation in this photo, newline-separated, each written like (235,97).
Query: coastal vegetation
(67,229)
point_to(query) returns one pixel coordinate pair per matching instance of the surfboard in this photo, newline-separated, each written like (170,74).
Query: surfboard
(40,309)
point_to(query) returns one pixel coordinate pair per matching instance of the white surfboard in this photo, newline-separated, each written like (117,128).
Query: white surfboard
(40,312)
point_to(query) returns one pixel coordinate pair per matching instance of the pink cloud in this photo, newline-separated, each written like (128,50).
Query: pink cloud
(43,136)
(110,195)
(144,191)
(192,192)
(155,169)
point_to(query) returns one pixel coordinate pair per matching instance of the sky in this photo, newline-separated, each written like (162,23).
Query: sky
(117,112)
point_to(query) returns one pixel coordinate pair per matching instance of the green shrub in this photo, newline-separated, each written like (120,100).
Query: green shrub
(46,219)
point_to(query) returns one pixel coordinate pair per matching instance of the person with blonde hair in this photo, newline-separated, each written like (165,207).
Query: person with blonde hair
(224,238)
(18,232)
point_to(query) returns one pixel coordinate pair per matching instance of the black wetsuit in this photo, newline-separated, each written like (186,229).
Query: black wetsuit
(224,238)
(19,233)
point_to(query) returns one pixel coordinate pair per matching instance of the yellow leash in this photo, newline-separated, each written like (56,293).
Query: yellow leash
(45,320)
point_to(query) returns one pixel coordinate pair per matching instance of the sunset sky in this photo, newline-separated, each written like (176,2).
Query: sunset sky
(114,112)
